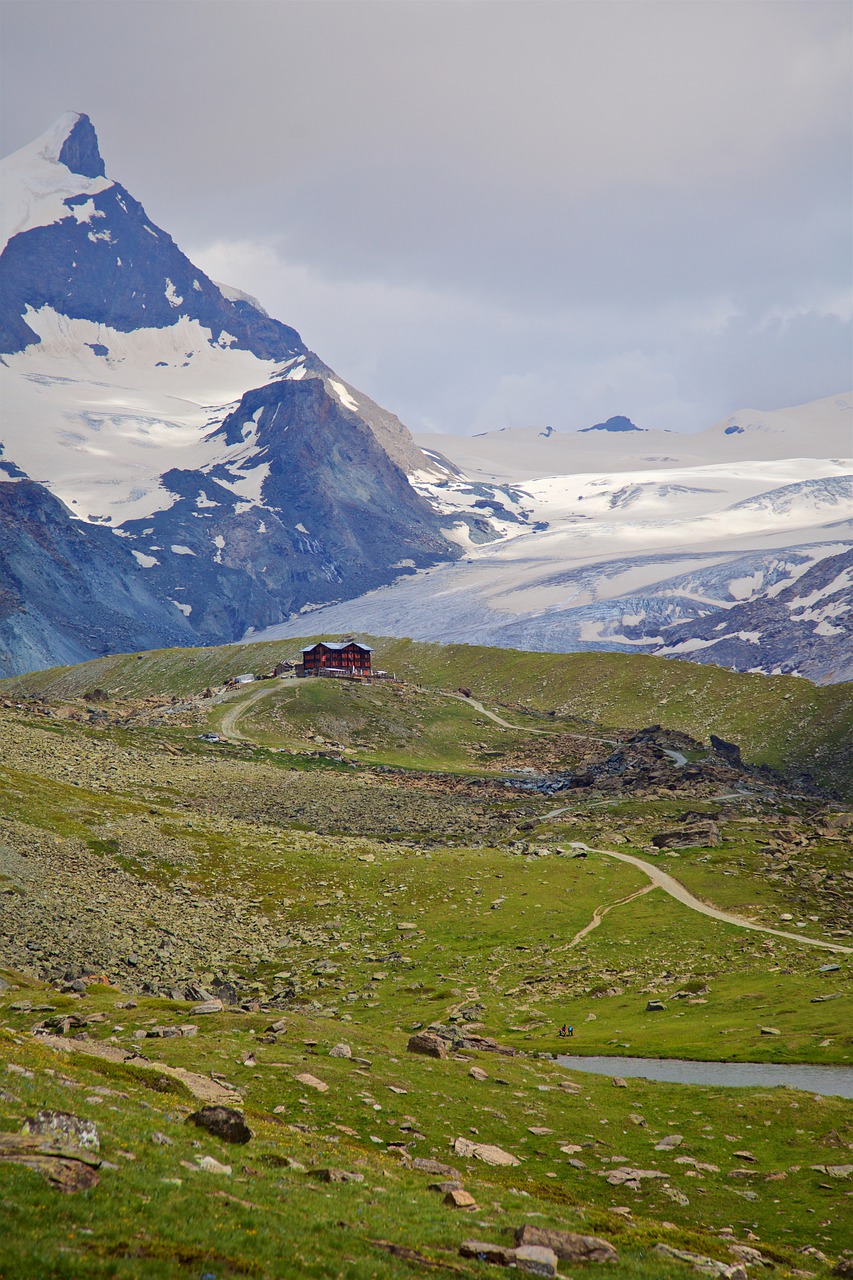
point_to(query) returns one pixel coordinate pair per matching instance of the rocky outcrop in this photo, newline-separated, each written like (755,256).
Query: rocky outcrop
(70,591)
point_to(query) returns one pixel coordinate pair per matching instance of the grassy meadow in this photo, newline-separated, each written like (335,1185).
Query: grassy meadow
(352,862)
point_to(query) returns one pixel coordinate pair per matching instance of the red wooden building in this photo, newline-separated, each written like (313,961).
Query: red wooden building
(337,657)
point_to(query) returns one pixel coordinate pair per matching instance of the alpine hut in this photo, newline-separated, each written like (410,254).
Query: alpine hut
(337,658)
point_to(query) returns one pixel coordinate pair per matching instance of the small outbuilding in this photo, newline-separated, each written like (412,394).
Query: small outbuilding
(337,658)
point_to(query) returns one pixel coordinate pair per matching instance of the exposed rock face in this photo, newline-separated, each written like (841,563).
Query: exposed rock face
(71,591)
(337,515)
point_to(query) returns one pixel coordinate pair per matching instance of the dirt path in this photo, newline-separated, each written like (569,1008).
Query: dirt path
(228,724)
(522,728)
(660,880)
(600,912)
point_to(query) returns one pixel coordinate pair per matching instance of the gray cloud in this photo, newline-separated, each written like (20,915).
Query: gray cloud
(490,213)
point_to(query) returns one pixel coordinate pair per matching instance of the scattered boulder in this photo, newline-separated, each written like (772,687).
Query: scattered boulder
(209,1165)
(222,1122)
(535,1260)
(483,1151)
(66,1167)
(339,1175)
(629,1177)
(311,1082)
(208,1006)
(730,751)
(704,835)
(770,1031)
(670,1141)
(568,1245)
(425,1164)
(655,1006)
(477,1073)
(426,1042)
(340,1051)
(498,1254)
(458,1198)
(64,1130)
(704,1266)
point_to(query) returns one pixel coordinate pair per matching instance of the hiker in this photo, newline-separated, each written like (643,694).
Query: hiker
(570,1031)
(563,1030)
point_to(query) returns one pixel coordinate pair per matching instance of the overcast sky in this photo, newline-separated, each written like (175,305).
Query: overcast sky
(490,213)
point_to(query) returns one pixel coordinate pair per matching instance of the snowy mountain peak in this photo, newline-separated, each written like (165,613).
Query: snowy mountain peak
(39,179)
(80,151)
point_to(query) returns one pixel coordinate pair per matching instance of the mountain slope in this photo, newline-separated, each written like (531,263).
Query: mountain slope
(246,478)
(66,586)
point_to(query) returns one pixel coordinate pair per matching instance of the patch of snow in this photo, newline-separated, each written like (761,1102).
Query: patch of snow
(146,562)
(86,212)
(343,395)
(300,528)
(148,419)
(179,550)
(203,501)
(172,296)
(186,609)
(237,295)
(825,628)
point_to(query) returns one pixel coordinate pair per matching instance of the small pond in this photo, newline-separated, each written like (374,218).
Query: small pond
(830,1081)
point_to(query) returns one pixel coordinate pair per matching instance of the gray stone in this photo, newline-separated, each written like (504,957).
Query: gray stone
(208,1006)
(568,1245)
(670,1141)
(63,1128)
(340,1051)
(535,1260)
(339,1175)
(655,1006)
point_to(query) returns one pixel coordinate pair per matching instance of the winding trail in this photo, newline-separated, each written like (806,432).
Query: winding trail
(660,880)
(520,728)
(600,912)
(228,723)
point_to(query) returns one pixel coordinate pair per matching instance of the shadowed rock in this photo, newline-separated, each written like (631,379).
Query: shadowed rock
(222,1122)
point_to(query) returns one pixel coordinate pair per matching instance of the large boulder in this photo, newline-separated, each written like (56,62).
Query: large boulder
(222,1122)
(568,1245)
(427,1043)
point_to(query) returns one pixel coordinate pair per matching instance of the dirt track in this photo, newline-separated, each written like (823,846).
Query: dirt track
(661,880)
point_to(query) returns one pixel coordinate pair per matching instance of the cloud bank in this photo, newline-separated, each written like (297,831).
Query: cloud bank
(491,213)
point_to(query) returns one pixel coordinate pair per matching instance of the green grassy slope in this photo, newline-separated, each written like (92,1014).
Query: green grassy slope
(157,1214)
(781,721)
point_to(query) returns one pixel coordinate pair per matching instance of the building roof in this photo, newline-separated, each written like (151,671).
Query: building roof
(338,645)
